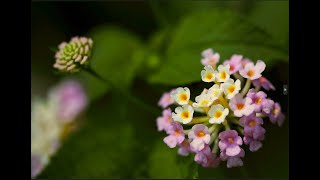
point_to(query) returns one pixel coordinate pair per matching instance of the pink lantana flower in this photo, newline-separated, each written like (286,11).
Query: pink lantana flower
(241,106)
(164,122)
(252,71)
(166,99)
(176,135)
(264,82)
(257,98)
(233,161)
(184,148)
(200,136)
(245,61)
(209,58)
(230,142)
(206,158)
(253,131)
(267,106)
(254,144)
(276,116)
(234,62)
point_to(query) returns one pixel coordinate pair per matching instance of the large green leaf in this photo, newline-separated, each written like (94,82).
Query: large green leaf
(168,13)
(225,32)
(113,58)
(276,21)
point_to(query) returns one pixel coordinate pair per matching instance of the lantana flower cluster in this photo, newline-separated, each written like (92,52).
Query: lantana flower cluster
(225,117)
(52,120)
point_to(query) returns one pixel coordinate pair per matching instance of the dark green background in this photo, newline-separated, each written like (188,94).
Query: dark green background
(146,48)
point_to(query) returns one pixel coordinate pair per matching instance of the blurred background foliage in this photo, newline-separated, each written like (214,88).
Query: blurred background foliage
(146,48)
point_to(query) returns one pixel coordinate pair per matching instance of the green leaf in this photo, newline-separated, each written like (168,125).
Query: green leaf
(225,32)
(113,58)
(273,16)
(166,163)
(168,13)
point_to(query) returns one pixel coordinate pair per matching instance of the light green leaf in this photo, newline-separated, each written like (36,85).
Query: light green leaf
(225,32)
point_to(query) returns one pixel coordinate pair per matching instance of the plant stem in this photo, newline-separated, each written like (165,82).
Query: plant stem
(238,76)
(186,131)
(212,128)
(240,130)
(226,125)
(202,119)
(124,93)
(223,101)
(257,88)
(246,87)
(214,133)
(215,146)
(190,102)
(236,122)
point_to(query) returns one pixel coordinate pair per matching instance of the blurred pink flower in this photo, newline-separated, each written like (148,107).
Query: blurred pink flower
(166,99)
(164,121)
(234,62)
(70,98)
(37,165)
(264,82)
(209,58)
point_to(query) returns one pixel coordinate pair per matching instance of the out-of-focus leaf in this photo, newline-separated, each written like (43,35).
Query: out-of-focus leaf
(113,58)
(273,16)
(168,13)
(102,148)
(166,163)
(114,141)
(225,32)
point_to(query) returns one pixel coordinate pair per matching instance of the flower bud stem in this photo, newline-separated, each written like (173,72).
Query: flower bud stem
(126,94)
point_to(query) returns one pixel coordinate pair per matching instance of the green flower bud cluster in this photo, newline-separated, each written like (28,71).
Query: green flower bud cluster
(72,56)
